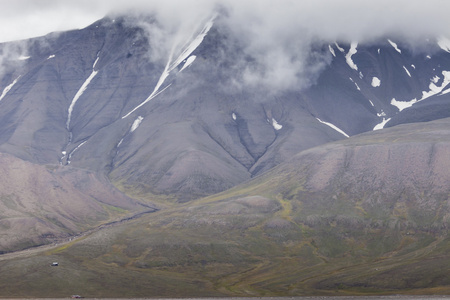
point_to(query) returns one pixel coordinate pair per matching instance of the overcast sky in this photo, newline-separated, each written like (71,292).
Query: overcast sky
(351,19)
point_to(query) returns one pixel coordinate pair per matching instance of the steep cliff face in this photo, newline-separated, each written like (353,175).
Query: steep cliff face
(187,122)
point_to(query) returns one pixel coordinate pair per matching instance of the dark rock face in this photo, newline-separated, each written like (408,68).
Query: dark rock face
(80,100)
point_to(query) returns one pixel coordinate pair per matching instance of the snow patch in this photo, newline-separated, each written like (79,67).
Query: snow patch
(401,105)
(446,91)
(376,82)
(444,43)
(339,48)
(233,116)
(8,88)
(395,46)
(333,126)
(136,123)
(371,103)
(381,114)
(413,66)
(332,50)
(428,57)
(348,57)
(51,56)
(434,89)
(188,62)
(22,57)
(382,124)
(407,72)
(276,125)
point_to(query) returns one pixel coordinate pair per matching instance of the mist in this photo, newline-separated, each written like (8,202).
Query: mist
(277,34)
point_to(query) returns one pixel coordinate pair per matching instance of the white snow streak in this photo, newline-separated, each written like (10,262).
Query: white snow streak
(332,50)
(233,115)
(95,62)
(78,95)
(339,48)
(136,123)
(351,79)
(371,103)
(349,55)
(188,62)
(376,82)
(275,124)
(73,151)
(120,143)
(413,66)
(407,72)
(23,57)
(170,66)
(333,126)
(381,125)
(8,88)
(51,56)
(444,43)
(395,46)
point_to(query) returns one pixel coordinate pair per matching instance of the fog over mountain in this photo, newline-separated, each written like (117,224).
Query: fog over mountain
(278,34)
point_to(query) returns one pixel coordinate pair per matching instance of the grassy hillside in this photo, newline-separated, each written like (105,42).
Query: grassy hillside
(368,215)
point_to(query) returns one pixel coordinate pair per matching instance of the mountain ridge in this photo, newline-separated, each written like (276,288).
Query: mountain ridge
(300,188)
(256,131)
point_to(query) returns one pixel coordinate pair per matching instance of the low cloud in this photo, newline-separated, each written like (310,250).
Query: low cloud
(278,35)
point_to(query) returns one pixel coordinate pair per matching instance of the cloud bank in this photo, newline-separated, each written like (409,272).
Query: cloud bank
(278,34)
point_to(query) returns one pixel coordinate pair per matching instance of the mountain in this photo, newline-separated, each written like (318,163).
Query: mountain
(331,165)
(93,98)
